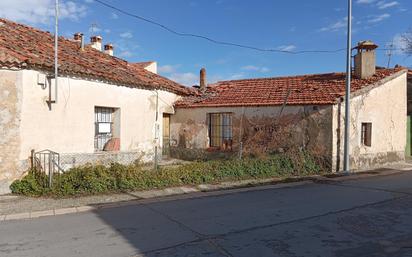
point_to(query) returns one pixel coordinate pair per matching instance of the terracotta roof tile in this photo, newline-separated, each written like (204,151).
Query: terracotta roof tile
(26,47)
(316,89)
(142,64)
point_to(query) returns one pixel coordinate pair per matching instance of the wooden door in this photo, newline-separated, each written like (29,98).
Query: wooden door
(166,134)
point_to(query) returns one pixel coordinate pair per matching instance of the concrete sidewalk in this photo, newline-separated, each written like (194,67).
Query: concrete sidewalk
(350,217)
(20,207)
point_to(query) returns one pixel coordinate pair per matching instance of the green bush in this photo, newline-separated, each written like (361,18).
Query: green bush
(33,184)
(88,180)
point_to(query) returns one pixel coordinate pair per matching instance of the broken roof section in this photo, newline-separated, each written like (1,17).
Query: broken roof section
(25,47)
(315,89)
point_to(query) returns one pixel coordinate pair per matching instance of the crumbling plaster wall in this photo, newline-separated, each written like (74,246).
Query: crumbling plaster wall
(263,127)
(10,115)
(385,106)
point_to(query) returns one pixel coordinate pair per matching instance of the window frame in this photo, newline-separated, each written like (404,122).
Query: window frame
(366,134)
(103,115)
(220,128)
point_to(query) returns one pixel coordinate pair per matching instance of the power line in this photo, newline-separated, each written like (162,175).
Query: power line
(182,34)
(211,39)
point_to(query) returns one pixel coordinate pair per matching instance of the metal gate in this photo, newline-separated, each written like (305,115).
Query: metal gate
(47,161)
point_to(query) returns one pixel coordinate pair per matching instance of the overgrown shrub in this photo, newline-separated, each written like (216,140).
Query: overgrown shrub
(99,179)
(33,184)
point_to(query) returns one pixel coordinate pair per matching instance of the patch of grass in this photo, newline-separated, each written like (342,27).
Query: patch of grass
(98,179)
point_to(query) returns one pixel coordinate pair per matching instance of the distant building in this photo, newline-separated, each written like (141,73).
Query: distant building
(305,112)
(103,110)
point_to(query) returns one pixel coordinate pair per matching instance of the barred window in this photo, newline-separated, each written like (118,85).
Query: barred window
(220,129)
(103,127)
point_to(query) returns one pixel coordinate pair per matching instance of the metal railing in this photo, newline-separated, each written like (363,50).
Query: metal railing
(47,161)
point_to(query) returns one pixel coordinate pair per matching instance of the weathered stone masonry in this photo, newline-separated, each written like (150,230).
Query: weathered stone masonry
(10,110)
(263,129)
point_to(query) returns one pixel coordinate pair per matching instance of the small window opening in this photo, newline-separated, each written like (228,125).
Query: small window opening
(366,134)
(220,130)
(106,129)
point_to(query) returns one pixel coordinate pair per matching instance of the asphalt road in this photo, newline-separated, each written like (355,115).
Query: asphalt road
(368,217)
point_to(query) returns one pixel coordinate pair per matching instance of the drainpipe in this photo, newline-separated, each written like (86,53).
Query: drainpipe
(241,134)
(56,45)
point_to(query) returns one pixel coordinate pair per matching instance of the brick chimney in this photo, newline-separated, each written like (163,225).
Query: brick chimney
(202,81)
(79,38)
(365,59)
(96,42)
(108,49)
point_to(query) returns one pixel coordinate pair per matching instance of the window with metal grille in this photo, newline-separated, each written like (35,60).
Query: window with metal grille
(366,134)
(220,129)
(103,126)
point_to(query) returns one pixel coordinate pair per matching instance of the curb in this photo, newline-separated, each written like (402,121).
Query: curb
(148,196)
(222,188)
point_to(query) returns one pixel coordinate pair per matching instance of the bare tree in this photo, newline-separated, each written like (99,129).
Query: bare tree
(406,42)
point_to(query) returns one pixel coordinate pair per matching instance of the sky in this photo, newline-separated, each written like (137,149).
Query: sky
(293,25)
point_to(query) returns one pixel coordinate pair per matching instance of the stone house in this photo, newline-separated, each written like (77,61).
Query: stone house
(305,112)
(103,108)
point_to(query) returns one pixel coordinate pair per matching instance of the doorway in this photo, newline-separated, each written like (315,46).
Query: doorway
(166,135)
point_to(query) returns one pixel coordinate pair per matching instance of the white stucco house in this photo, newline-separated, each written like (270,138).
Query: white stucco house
(305,112)
(104,108)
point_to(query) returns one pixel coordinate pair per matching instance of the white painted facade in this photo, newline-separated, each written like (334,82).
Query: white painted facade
(385,106)
(68,127)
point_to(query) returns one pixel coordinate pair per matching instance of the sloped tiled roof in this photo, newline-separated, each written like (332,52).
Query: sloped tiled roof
(25,47)
(316,89)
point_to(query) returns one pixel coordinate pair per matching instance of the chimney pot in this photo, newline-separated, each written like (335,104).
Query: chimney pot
(365,59)
(79,38)
(96,42)
(108,49)
(202,82)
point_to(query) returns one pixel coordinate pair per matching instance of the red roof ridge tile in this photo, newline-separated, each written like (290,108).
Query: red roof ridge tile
(280,77)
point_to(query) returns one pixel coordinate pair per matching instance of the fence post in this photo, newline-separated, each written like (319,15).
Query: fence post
(32,159)
(50,171)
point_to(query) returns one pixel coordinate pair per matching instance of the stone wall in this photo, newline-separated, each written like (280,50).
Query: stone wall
(10,113)
(68,161)
(260,130)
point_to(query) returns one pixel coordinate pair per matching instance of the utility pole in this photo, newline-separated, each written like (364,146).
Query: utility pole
(346,165)
(56,46)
